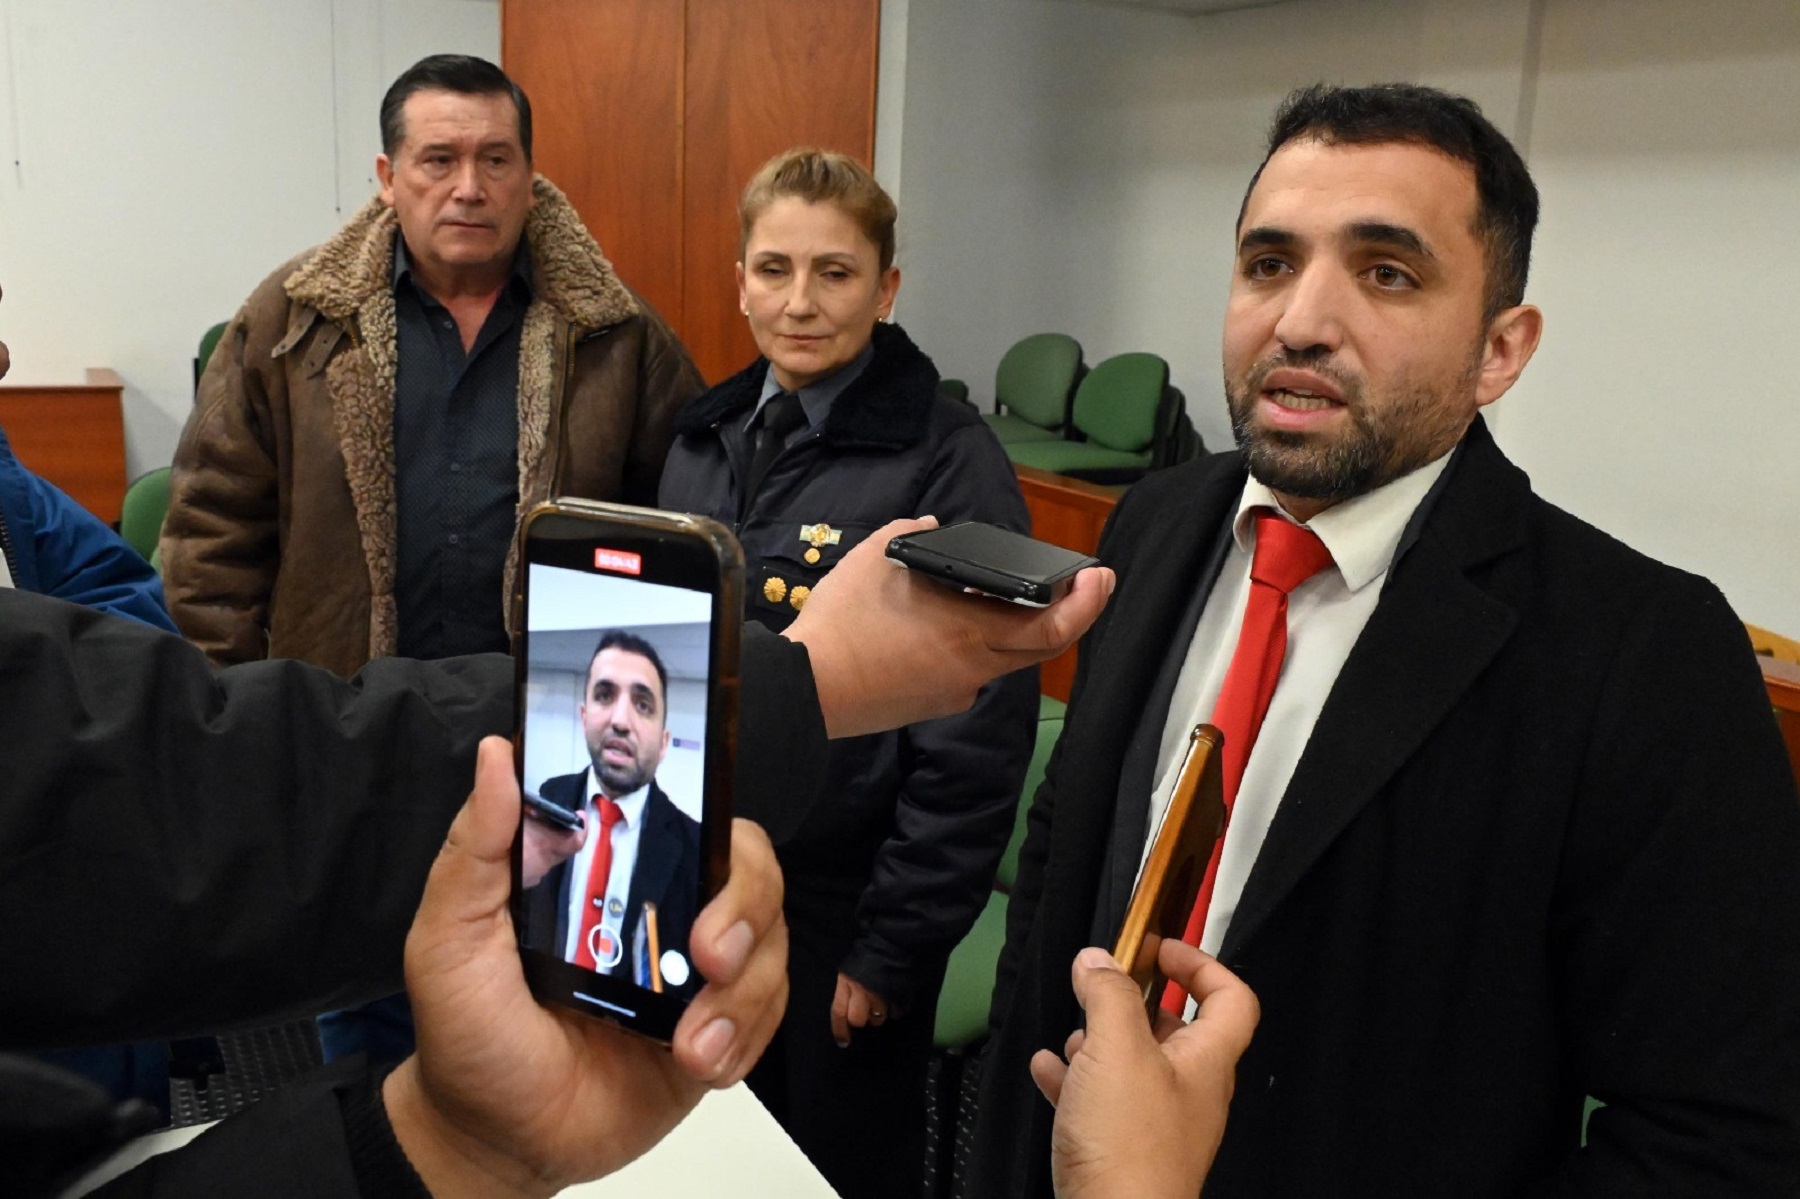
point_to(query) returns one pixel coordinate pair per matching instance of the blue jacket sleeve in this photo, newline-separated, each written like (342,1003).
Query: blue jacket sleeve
(82,561)
(56,547)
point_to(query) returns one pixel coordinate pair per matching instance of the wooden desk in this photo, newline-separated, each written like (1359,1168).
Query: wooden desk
(1070,513)
(1783,681)
(72,434)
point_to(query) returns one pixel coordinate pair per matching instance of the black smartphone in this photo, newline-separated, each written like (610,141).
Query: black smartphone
(537,807)
(627,664)
(994,561)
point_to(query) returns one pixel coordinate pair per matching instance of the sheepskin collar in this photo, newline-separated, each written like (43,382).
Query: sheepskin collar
(888,404)
(569,272)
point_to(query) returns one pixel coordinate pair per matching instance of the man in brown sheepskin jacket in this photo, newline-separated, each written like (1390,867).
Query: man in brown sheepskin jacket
(383,406)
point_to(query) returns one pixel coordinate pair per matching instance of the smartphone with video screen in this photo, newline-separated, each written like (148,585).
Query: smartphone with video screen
(994,561)
(627,668)
(1170,880)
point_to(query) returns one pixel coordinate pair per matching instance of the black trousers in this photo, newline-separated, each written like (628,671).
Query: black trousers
(858,1113)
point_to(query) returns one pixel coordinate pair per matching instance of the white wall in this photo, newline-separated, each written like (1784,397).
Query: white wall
(158,159)
(1664,405)
(1079,168)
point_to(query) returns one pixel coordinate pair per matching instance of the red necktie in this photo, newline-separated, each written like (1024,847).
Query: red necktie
(1286,556)
(595,906)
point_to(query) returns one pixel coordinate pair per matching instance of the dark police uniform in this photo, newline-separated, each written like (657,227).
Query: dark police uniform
(893,865)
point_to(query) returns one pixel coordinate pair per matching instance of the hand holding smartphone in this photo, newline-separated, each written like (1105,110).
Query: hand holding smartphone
(1170,881)
(627,661)
(994,561)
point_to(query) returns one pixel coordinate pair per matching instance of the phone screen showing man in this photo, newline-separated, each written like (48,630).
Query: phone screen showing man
(614,707)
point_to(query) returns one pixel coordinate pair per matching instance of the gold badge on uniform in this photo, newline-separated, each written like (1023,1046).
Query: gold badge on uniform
(820,534)
(798,598)
(774,589)
(812,557)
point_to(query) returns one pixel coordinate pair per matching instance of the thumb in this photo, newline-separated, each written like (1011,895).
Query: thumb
(1113,1003)
(472,877)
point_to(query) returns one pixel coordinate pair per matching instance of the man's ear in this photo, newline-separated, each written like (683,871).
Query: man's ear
(384,172)
(1512,338)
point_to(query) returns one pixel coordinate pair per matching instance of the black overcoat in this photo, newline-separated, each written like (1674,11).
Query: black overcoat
(1543,843)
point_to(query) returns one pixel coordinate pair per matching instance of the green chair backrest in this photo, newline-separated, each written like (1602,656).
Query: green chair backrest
(1050,723)
(1035,377)
(1116,404)
(209,341)
(141,516)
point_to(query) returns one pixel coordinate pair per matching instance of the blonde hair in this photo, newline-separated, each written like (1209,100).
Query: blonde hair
(821,177)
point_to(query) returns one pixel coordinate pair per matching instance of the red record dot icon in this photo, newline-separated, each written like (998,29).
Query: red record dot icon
(604,944)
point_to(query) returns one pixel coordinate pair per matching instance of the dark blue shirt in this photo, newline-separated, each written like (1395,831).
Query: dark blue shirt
(456,486)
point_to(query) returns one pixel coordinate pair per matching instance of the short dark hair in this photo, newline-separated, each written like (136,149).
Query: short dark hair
(631,643)
(1506,211)
(463,73)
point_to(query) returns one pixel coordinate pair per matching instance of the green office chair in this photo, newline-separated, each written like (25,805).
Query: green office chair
(1120,408)
(1033,388)
(968,988)
(969,979)
(141,516)
(209,341)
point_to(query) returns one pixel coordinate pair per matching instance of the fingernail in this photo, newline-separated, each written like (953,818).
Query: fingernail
(1095,958)
(843,1044)
(734,946)
(713,1042)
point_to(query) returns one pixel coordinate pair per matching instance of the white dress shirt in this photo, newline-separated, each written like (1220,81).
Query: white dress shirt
(1325,616)
(618,879)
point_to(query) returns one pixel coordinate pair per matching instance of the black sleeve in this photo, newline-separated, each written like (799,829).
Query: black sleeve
(781,733)
(1677,927)
(181,851)
(326,1134)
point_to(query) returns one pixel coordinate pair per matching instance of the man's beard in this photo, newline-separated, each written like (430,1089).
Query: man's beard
(619,780)
(1384,442)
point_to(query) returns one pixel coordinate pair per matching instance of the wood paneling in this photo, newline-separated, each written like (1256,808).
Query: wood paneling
(604,79)
(652,115)
(74,436)
(1070,513)
(1783,682)
(762,76)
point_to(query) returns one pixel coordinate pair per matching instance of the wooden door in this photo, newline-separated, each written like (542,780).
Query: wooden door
(652,114)
(604,80)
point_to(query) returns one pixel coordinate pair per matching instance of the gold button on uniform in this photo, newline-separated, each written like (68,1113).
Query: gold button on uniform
(774,588)
(798,598)
(812,557)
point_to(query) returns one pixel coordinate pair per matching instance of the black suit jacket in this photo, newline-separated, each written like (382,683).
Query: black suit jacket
(1542,843)
(667,873)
